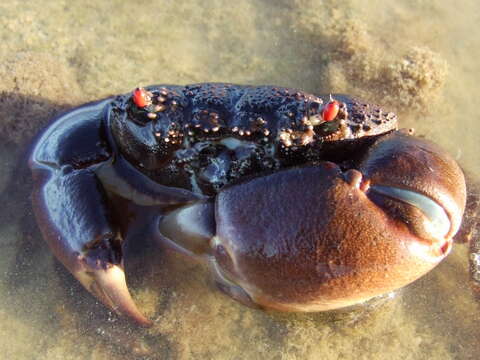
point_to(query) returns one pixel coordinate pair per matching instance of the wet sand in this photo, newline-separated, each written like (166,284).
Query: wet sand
(417,58)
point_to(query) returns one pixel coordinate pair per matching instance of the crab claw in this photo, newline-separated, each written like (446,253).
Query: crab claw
(106,281)
(78,231)
(319,238)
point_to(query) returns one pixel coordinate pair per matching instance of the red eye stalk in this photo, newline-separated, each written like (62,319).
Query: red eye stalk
(330,110)
(141,98)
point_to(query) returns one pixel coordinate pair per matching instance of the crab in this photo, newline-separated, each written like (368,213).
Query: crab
(297,202)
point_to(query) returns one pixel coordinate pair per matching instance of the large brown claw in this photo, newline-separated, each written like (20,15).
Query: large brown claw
(318,238)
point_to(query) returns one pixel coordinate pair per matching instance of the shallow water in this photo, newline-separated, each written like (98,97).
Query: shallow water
(419,58)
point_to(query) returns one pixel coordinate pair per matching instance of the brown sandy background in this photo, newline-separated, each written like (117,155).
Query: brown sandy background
(416,57)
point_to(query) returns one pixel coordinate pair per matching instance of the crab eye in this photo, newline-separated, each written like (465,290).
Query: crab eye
(330,110)
(141,98)
(141,109)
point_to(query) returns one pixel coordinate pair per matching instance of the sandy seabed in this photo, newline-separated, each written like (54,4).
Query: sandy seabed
(414,57)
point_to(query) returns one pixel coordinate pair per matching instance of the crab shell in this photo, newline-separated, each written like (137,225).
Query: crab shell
(304,238)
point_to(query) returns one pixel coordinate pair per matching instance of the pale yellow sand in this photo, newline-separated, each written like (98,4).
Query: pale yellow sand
(418,57)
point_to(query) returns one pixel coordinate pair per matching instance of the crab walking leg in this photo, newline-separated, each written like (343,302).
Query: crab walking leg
(121,178)
(71,208)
